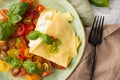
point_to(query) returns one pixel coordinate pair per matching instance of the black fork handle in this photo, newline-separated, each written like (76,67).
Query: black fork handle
(93,61)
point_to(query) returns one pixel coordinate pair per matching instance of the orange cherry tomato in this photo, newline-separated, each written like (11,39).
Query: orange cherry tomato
(3,13)
(23,41)
(40,8)
(28,1)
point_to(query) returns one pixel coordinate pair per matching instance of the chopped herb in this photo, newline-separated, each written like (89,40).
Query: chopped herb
(13,61)
(31,67)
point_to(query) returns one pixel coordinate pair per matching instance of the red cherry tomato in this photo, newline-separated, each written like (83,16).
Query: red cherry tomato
(40,8)
(29,28)
(57,66)
(32,14)
(20,30)
(46,73)
(21,58)
(22,72)
(22,53)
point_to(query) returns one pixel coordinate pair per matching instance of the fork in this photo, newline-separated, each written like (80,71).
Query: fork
(95,39)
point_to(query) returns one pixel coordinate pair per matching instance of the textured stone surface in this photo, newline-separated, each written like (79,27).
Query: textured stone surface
(112,13)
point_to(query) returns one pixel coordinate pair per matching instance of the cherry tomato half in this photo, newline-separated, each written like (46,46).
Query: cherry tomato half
(32,14)
(22,55)
(20,30)
(57,66)
(22,72)
(46,73)
(3,15)
(40,8)
(22,51)
(29,28)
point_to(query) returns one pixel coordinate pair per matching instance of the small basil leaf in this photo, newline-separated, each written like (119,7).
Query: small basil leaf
(14,18)
(31,67)
(46,38)
(6,30)
(13,61)
(19,8)
(100,3)
(34,35)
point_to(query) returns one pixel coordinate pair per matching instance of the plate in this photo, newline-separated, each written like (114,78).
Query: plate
(63,6)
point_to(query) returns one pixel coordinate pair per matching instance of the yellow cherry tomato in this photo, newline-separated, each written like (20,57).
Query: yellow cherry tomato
(4,67)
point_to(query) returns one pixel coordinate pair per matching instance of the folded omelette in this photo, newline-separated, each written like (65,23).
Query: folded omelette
(60,28)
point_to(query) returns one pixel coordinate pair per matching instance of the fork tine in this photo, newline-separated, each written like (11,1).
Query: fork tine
(96,27)
(91,33)
(101,29)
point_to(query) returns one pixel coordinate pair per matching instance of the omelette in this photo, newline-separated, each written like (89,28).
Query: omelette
(58,25)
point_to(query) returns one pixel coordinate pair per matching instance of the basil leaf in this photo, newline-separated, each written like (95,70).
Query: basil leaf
(46,38)
(19,8)
(34,35)
(100,3)
(31,67)
(13,61)
(6,30)
(14,18)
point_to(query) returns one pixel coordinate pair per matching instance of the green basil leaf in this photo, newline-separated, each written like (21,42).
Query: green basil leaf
(34,35)
(31,67)
(6,30)
(100,3)
(13,61)
(46,38)
(19,8)
(14,18)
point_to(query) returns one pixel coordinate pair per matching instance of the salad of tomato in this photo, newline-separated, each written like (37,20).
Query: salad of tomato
(14,49)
